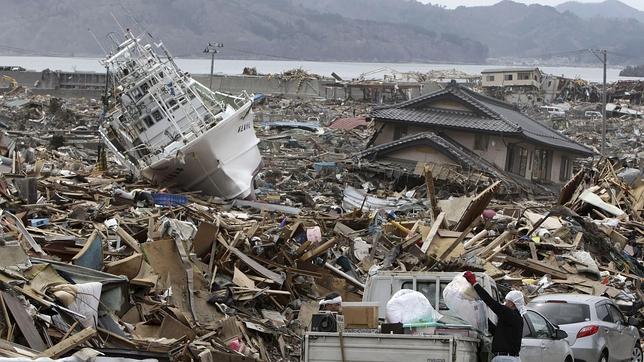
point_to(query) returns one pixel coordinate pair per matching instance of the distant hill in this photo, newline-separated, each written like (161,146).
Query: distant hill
(269,29)
(606,9)
(341,30)
(508,29)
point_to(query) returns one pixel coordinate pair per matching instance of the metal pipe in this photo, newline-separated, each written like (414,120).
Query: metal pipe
(212,68)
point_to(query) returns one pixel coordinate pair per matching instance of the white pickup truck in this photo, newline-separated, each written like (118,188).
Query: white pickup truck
(448,346)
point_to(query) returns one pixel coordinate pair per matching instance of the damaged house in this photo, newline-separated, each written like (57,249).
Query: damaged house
(457,126)
(524,86)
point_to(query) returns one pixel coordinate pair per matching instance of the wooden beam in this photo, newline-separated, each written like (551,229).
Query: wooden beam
(496,242)
(67,344)
(533,250)
(317,251)
(476,206)
(496,252)
(457,241)
(536,267)
(24,321)
(432,232)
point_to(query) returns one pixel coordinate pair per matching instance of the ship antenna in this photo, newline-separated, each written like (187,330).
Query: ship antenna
(117,23)
(97,42)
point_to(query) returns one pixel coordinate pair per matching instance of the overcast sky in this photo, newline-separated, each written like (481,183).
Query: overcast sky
(638,4)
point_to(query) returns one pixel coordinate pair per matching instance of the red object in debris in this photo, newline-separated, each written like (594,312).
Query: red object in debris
(489,213)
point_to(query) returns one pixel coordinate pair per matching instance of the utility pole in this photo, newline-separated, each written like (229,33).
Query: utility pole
(602,55)
(212,48)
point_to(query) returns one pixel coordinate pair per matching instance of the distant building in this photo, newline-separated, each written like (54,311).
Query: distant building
(460,127)
(523,86)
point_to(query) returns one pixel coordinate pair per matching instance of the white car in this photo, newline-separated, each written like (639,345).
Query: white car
(543,341)
(597,329)
(554,112)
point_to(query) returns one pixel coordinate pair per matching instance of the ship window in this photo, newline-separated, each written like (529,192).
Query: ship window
(157,115)
(172,103)
(148,121)
(139,126)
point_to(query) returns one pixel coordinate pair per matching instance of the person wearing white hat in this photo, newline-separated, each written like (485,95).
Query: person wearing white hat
(506,342)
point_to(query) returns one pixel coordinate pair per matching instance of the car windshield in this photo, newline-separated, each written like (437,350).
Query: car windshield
(563,313)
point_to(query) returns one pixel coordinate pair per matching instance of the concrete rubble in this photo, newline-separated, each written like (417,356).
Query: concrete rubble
(96,263)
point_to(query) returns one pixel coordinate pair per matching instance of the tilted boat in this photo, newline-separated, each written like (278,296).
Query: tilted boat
(167,127)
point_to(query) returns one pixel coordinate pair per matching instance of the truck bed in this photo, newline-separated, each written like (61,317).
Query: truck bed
(367,347)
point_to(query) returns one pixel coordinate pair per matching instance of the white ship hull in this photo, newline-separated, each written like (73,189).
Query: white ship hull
(222,161)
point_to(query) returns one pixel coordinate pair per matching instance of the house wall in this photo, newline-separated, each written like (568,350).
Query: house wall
(425,154)
(499,79)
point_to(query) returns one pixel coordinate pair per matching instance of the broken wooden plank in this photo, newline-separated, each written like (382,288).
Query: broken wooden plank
(279,279)
(69,343)
(458,241)
(24,321)
(536,266)
(128,239)
(496,242)
(318,250)
(476,207)
(432,232)
(533,250)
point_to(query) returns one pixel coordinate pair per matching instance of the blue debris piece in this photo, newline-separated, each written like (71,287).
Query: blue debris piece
(39,222)
(169,199)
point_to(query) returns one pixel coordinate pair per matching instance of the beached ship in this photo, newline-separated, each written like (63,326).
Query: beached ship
(167,127)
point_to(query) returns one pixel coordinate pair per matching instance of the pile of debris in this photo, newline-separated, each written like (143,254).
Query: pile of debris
(94,262)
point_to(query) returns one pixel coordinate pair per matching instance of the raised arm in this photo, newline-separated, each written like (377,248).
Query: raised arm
(499,309)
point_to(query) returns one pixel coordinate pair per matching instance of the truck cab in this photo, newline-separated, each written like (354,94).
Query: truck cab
(382,286)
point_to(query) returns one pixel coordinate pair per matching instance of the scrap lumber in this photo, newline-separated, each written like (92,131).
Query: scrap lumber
(457,241)
(24,322)
(318,250)
(536,267)
(432,232)
(496,242)
(69,343)
(476,207)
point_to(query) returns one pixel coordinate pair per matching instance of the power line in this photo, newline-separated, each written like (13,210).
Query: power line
(31,51)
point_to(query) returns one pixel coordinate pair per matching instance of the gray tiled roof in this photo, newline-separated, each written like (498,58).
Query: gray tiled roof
(487,115)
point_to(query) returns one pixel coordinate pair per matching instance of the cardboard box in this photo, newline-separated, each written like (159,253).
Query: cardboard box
(360,315)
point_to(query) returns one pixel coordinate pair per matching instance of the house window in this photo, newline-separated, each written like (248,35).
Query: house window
(489,78)
(517,159)
(148,121)
(542,165)
(157,115)
(507,77)
(481,142)
(400,132)
(523,76)
(565,172)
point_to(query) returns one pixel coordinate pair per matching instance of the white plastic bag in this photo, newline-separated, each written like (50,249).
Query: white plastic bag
(462,299)
(409,306)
